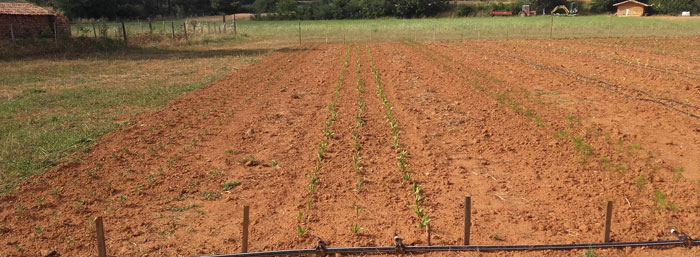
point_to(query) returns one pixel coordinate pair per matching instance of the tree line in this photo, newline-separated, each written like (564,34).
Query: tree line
(322,9)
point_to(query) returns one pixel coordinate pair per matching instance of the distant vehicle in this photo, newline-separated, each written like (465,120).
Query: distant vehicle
(572,11)
(500,13)
(525,11)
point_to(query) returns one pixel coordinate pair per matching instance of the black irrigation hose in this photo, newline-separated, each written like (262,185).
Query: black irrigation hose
(612,87)
(456,248)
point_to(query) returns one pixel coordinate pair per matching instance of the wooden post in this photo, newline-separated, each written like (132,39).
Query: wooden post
(150,27)
(126,40)
(185,28)
(55,33)
(246,222)
(608,220)
(94,30)
(172,25)
(12,33)
(551,27)
(224,17)
(235,30)
(428,230)
(610,25)
(99,228)
(467,219)
(299,32)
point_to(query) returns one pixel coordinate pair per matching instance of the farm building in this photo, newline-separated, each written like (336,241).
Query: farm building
(630,8)
(26,19)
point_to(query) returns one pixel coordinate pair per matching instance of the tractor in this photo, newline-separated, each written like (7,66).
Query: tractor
(525,11)
(572,11)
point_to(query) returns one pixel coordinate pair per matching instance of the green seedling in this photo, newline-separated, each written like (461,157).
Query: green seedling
(211,195)
(356,208)
(495,237)
(360,183)
(355,229)
(230,185)
(589,253)
(274,163)
(301,230)
(424,221)
(300,216)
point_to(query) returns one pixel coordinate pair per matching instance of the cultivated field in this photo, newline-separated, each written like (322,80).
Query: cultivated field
(388,137)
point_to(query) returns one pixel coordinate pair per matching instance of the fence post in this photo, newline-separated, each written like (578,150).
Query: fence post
(551,27)
(150,27)
(610,25)
(246,222)
(172,26)
(12,33)
(55,33)
(224,18)
(126,40)
(467,219)
(185,28)
(94,30)
(99,229)
(299,32)
(608,220)
(235,30)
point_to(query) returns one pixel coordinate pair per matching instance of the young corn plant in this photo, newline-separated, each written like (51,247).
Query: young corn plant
(401,160)
(321,153)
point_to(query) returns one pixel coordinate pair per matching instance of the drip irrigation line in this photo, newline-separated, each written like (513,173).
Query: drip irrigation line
(613,87)
(457,248)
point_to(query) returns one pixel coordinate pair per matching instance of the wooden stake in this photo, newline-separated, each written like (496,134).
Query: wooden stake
(608,220)
(428,230)
(12,33)
(150,27)
(185,27)
(94,30)
(467,219)
(55,33)
(224,23)
(126,41)
(610,25)
(235,31)
(99,228)
(551,27)
(246,222)
(172,25)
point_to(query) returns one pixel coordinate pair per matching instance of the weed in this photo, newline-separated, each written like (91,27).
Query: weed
(662,202)
(211,195)
(561,134)
(123,198)
(38,229)
(677,173)
(189,229)
(40,200)
(274,163)
(621,167)
(151,178)
(183,208)
(495,237)
(231,151)
(91,174)
(640,181)
(21,207)
(582,149)
(216,173)
(230,185)
(589,253)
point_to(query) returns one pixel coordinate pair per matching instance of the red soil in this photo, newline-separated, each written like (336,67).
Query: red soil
(539,135)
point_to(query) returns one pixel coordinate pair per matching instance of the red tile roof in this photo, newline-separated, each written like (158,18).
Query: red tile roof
(19,8)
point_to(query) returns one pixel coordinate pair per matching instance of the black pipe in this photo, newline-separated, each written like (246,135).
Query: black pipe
(452,248)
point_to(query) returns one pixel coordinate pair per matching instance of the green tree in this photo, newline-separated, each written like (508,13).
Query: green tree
(262,6)
(286,7)
(603,6)
(673,6)
(225,6)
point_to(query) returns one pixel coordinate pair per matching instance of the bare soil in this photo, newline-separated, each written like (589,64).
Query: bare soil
(540,134)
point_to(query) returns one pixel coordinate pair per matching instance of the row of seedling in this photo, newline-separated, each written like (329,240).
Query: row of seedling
(401,152)
(321,153)
(356,155)
(582,149)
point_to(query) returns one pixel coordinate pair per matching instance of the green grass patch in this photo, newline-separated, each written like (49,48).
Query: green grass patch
(54,107)
(662,201)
